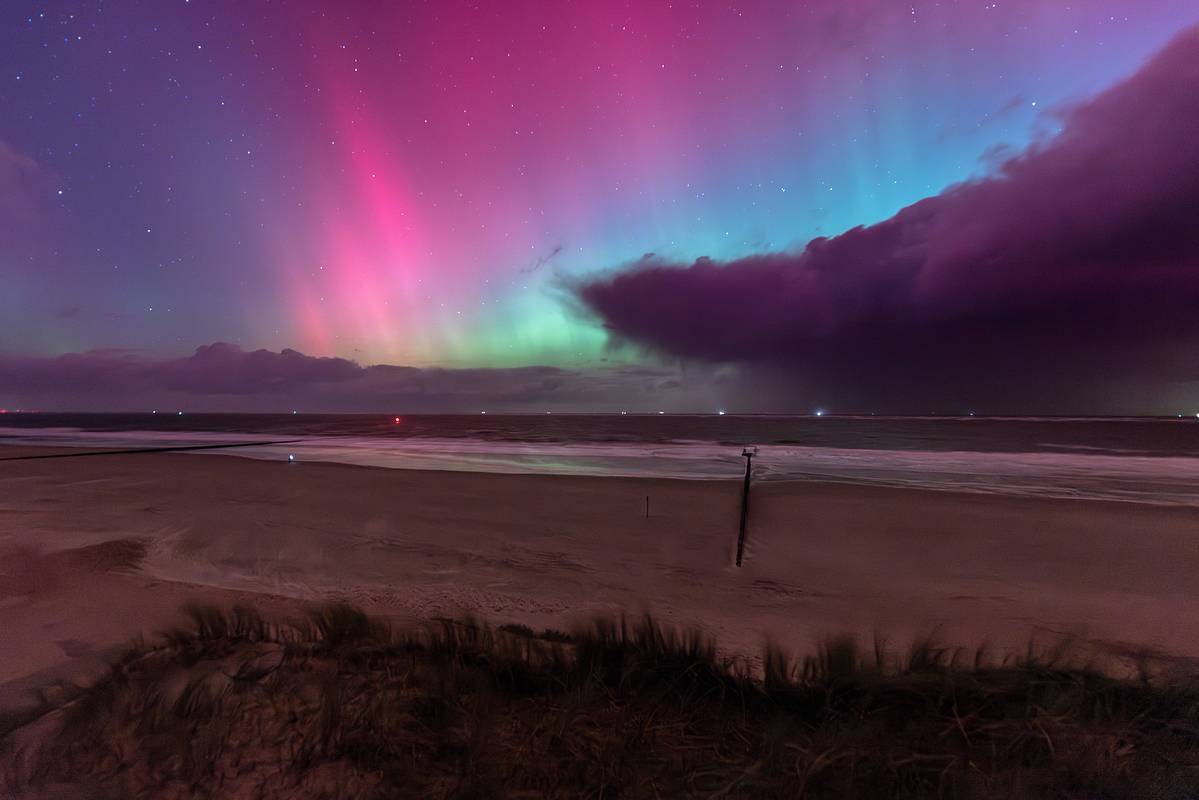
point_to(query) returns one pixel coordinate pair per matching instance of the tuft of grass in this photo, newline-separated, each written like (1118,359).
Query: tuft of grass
(341,705)
(341,624)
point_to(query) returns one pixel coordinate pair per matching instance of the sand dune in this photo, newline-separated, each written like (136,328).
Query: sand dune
(96,550)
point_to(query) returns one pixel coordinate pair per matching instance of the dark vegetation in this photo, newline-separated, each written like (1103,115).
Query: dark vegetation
(341,705)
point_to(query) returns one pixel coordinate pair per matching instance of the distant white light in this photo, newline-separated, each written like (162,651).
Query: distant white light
(179,413)
(622,413)
(153,412)
(721,412)
(820,412)
(295,412)
(291,456)
(482,412)
(661,412)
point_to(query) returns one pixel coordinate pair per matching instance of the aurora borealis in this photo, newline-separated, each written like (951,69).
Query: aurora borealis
(428,184)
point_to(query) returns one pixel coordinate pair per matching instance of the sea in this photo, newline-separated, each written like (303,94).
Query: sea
(1144,460)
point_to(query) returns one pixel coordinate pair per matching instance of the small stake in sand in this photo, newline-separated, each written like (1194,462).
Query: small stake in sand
(647,506)
(748,453)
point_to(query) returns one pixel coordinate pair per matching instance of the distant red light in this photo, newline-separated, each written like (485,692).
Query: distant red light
(398,420)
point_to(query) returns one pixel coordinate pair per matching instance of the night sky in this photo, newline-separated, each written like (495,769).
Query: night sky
(859,205)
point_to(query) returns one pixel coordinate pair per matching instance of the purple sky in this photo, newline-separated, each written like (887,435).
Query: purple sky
(853,205)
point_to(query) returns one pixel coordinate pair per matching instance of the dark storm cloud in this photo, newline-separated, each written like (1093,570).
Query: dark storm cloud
(222,376)
(1071,270)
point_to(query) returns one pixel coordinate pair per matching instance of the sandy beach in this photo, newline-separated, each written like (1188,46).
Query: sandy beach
(96,550)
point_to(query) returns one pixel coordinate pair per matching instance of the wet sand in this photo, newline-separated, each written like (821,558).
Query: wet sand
(96,550)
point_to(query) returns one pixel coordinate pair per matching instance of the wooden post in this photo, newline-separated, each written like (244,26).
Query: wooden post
(647,506)
(748,453)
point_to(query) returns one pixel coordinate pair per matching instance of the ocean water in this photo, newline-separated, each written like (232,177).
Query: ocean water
(1150,460)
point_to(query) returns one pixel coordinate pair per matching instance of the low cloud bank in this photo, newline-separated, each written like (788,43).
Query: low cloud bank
(224,377)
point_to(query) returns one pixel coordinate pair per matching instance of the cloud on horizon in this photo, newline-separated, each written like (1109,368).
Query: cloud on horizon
(224,377)
(1067,280)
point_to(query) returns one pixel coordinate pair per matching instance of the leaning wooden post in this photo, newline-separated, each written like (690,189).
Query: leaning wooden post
(749,454)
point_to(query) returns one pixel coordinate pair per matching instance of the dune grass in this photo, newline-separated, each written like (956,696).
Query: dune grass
(342,705)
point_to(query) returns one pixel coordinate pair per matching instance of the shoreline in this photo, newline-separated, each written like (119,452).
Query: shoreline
(822,558)
(1067,472)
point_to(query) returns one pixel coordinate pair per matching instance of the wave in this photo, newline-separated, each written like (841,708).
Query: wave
(1078,473)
